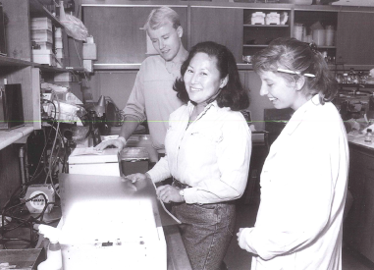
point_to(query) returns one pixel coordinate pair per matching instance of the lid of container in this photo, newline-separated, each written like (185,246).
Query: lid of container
(134,153)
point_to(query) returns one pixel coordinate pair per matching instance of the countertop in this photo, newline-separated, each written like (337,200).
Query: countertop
(359,140)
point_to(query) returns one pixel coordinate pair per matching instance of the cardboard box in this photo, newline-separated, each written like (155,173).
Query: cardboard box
(42,23)
(45,45)
(41,52)
(58,43)
(41,35)
(60,53)
(89,51)
(47,59)
(88,65)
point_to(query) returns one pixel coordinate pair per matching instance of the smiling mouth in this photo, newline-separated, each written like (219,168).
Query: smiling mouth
(195,89)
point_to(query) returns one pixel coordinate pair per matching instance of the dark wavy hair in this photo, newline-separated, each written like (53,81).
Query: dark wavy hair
(301,57)
(232,95)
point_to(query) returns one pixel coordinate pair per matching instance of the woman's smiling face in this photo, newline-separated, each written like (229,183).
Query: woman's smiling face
(202,78)
(282,93)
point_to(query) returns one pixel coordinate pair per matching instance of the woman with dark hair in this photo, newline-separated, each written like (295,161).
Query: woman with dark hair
(208,148)
(304,177)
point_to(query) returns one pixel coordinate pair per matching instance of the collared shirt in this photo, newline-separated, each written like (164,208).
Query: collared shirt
(211,155)
(153,98)
(303,193)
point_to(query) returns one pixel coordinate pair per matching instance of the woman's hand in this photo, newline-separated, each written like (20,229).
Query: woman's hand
(136,177)
(168,193)
(119,143)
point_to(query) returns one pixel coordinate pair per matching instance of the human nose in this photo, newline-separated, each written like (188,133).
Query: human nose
(194,78)
(161,44)
(263,90)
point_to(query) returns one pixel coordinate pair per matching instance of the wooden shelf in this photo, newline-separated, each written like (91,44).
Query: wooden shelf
(266,26)
(8,61)
(7,137)
(254,46)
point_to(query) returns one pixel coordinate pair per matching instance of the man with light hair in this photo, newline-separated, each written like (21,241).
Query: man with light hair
(152,98)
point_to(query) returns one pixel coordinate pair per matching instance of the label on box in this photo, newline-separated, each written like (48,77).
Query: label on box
(44,45)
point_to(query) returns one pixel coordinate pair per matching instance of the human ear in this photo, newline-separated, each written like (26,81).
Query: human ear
(300,82)
(224,82)
(180,31)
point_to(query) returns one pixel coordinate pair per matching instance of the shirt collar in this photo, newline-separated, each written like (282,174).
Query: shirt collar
(300,114)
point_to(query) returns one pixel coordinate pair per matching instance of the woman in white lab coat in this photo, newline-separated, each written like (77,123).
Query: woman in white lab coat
(304,178)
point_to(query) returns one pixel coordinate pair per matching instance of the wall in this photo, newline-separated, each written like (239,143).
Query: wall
(252,82)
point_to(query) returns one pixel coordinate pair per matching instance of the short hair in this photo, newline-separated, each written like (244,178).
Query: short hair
(233,94)
(301,57)
(160,16)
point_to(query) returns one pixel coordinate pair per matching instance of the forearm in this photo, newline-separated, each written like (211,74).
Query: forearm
(128,128)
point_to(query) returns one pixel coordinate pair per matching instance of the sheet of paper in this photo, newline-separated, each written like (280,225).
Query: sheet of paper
(85,151)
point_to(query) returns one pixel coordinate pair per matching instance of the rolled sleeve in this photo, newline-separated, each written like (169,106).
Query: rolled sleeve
(135,107)
(160,171)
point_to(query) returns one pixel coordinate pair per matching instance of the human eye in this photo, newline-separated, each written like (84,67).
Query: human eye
(154,40)
(269,83)
(189,70)
(204,73)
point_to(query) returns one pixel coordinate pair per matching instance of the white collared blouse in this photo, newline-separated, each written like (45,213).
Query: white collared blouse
(211,154)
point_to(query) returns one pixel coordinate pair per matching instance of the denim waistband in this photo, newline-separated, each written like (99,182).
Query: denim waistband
(180,185)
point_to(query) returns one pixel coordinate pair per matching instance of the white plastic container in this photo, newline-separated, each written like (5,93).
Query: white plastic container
(319,37)
(330,35)
(54,253)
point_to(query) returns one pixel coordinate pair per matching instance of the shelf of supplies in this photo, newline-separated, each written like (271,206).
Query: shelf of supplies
(12,62)
(7,137)
(37,8)
(266,26)
(254,46)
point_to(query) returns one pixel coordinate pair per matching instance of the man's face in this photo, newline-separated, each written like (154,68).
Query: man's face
(166,40)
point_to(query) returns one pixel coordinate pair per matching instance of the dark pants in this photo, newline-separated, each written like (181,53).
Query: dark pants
(206,232)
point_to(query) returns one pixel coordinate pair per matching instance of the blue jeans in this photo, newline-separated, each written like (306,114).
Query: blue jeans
(206,232)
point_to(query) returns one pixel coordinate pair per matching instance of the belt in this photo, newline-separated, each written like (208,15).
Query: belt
(180,185)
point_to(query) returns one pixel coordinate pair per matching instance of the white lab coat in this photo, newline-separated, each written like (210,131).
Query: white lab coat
(303,192)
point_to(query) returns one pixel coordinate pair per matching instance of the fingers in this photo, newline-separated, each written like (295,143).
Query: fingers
(135,177)
(167,193)
(119,143)
(101,146)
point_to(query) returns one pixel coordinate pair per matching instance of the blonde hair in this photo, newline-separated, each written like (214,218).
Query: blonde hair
(160,16)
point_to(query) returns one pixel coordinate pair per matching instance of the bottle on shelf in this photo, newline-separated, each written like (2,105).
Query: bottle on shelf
(368,136)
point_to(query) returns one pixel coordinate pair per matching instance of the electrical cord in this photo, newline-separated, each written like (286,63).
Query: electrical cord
(28,222)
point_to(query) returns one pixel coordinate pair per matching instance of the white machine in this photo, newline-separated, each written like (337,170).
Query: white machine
(91,162)
(110,224)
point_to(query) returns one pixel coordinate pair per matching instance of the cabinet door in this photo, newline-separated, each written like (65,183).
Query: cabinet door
(116,32)
(359,222)
(221,25)
(355,38)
